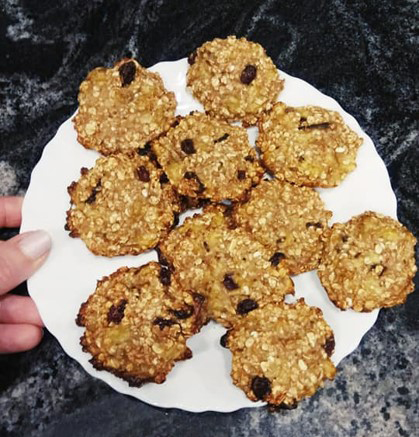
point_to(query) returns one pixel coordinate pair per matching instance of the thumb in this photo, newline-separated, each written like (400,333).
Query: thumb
(21,256)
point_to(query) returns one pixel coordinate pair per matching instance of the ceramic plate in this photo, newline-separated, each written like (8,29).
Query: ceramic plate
(69,275)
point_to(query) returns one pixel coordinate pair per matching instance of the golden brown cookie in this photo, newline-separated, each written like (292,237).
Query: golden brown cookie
(308,145)
(234,79)
(208,158)
(288,220)
(368,263)
(233,271)
(137,324)
(281,353)
(120,206)
(122,108)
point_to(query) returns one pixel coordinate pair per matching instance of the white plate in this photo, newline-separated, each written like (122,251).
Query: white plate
(70,273)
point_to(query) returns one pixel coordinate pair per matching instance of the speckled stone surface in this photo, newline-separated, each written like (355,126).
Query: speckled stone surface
(364,54)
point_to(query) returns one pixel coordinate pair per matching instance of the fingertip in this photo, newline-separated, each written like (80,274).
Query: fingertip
(19,338)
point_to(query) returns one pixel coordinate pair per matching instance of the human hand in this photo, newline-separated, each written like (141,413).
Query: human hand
(20,323)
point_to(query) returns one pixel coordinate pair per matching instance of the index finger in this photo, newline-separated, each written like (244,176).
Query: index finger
(10,211)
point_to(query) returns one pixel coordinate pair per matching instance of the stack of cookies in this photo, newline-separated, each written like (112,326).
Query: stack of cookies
(262,222)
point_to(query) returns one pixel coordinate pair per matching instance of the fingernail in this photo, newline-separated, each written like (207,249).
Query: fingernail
(35,244)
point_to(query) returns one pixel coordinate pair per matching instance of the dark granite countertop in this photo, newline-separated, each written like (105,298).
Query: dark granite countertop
(364,54)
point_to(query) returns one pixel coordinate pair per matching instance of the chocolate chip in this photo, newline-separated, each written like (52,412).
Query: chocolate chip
(165,276)
(143,174)
(187,146)
(184,313)
(245,306)
(192,175)
(84,171)
(229,282)
(345,238)
(241,174)
(314,126)
(248,74)
(224,137)
(163,178)
(206,246)
(329,346)
(261,387)
(303,119)
(127,73)
(163,322)
(276,258)
(163,260)
(116,312)
(249,158)
(316,225)
(224,339)
(192,58)
(92,198)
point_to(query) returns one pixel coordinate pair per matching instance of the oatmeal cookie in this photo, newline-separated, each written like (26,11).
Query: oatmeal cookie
(120,207)
(233,271)
(368,263)
(288,220)
(234,79)
(136,325)
(122,108)
(281,353)
(208,158)
(308,145)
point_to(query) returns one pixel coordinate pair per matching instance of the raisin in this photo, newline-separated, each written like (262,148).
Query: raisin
(198,298)
(206,246)
(184,313)
(224,339)
(229,282)
(192,58)
(228,211)
(192,175)
(224,137)
(116,312)
(276,258)
(249,158)
(314,126)
(84,171)
(143,174)
(175,219)
(345,238)
(163,260)
(144,151)
(261,387)
(282,406)
(241,174)
(329,346)
(127,73)
(163,178)
(187,146)
(245,306)
(92,198)
(163,322)
(248,74)
(165,276)
(316,225)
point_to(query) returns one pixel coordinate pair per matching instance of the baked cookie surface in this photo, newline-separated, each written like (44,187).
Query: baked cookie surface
(208,158)
(122,108)
(120,206)
(233,271)
(234,79)
(287,219)
(281,353)
(368,262)
(136,325)
(307,145)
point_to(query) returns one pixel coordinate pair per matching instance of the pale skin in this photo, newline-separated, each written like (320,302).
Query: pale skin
(21,327)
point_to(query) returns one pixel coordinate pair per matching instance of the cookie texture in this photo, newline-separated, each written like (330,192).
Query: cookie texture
(234,79)
(122,108)
(368,263)
(120,206)
(307,145)
(136,325)
(233,271)
(281,353)
(207,158)
(288,220)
